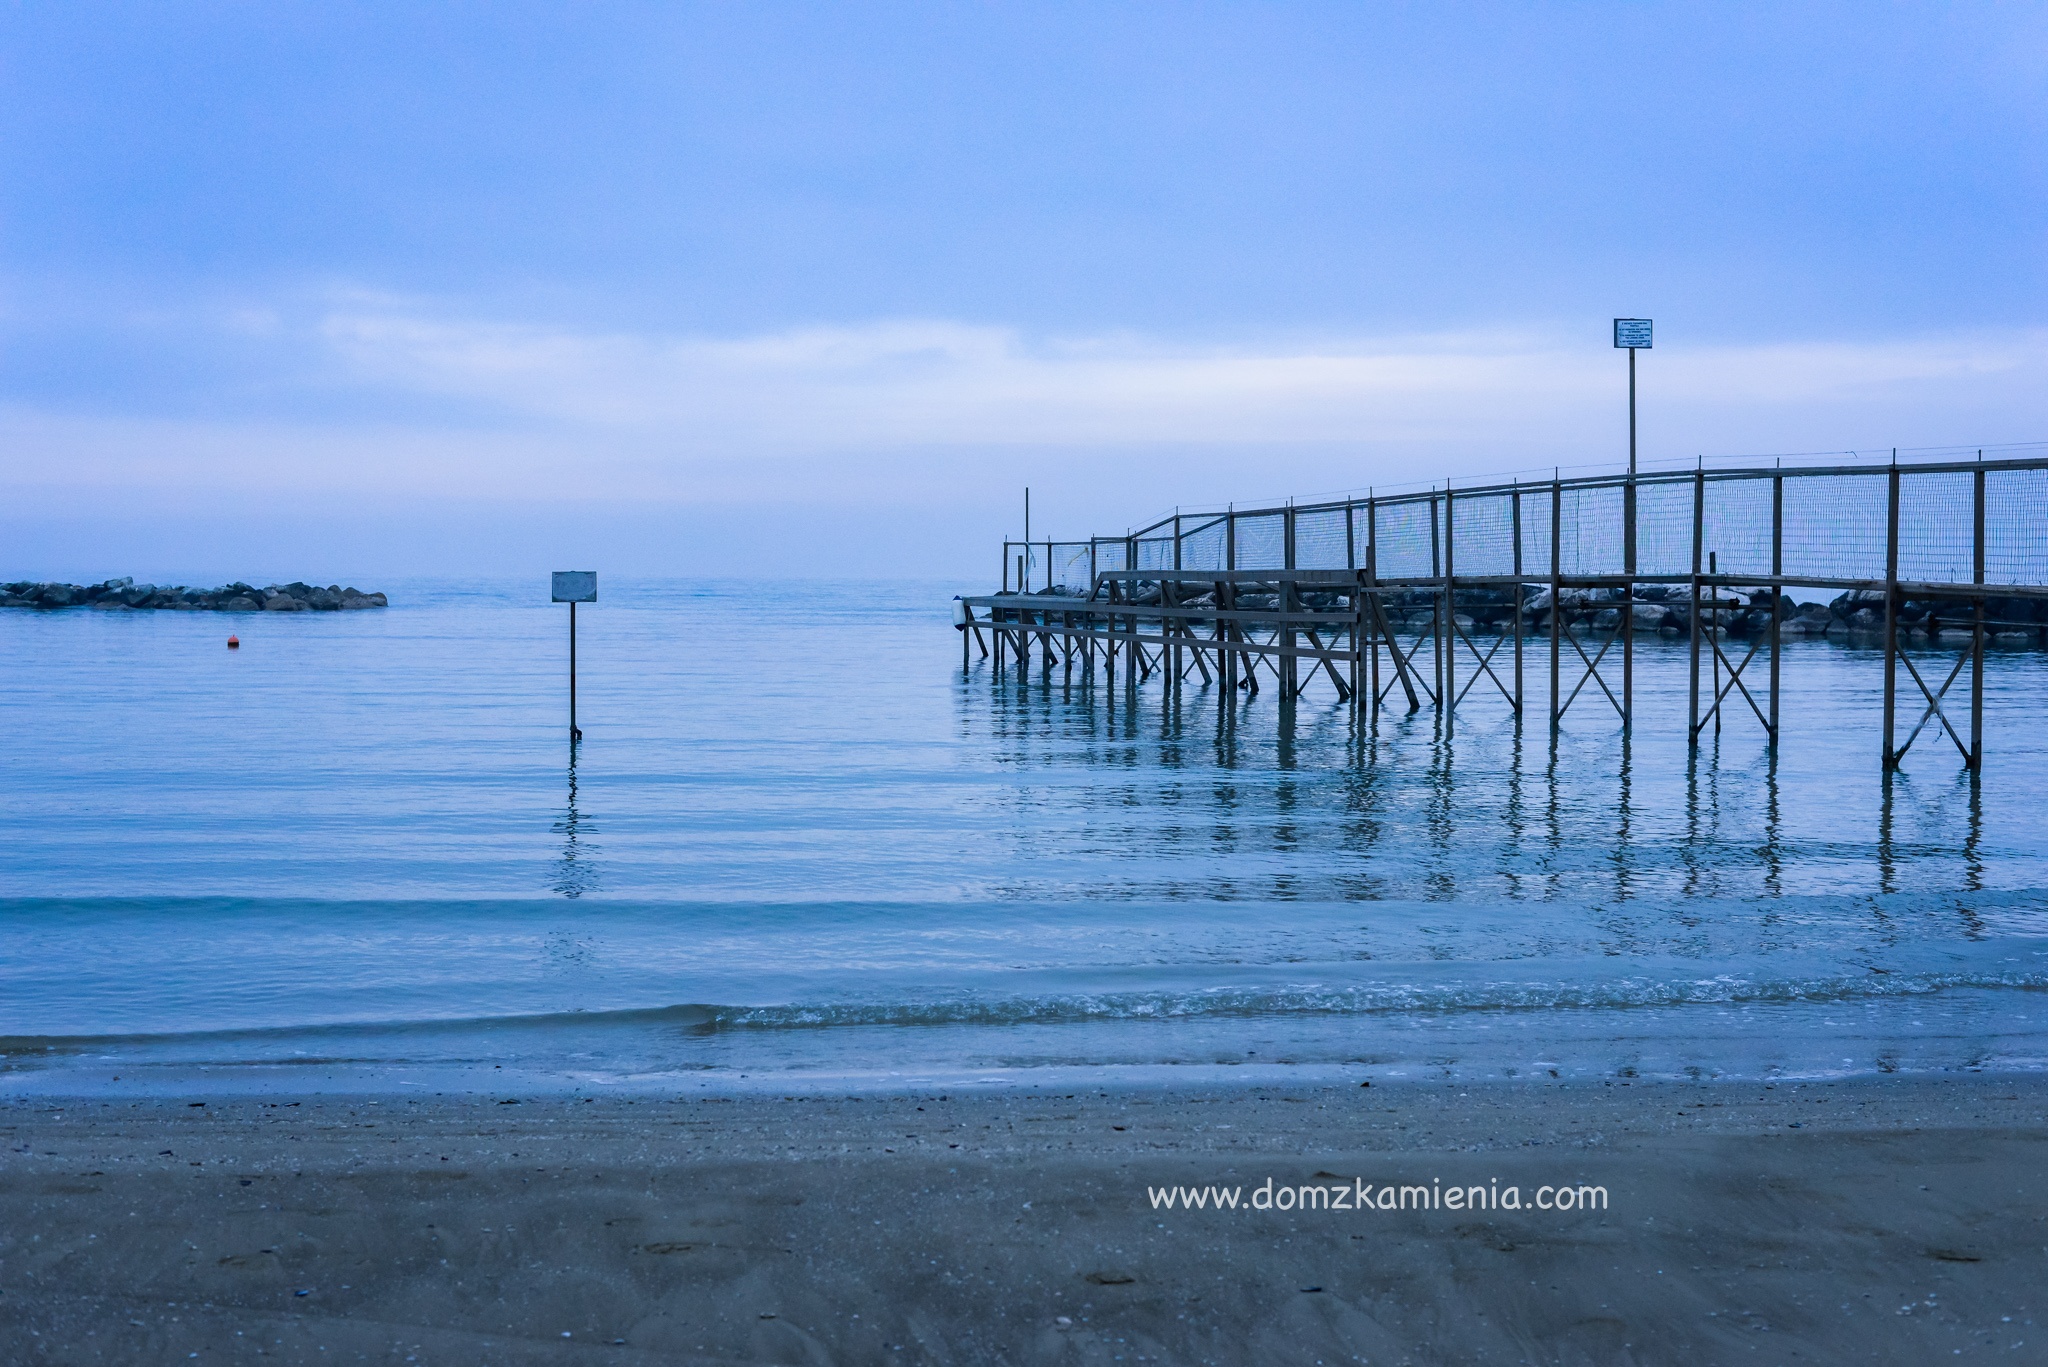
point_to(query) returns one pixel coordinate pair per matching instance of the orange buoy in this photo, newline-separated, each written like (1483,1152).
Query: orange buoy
(234,643)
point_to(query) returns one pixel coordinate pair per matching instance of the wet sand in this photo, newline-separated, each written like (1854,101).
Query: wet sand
(1889,1220)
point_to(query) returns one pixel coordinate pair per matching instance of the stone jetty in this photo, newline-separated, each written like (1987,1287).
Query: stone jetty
(125,595)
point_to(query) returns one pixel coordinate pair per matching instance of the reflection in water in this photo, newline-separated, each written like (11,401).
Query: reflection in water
(1973,839)
(574,873)
(1773,847)
(1242,798)
(1887,851)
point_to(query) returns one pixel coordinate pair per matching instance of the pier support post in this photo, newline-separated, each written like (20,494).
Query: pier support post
(1178,625)
(1447,696)
(1436,566)
(1290,602)
(1371,610)
(1693,625)
(1515,527)
(1628,585)
(1977,631)
(1109,643)
(1227,628)
(1356,671)
(1556,597)
(1891,614)
(1777,596)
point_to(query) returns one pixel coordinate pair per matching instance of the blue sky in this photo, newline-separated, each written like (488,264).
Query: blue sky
(676,288)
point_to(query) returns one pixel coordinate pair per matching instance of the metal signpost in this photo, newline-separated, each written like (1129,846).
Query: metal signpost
(573,587)
(1633,334)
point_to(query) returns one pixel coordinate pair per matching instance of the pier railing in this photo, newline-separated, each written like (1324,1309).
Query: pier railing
(1824,526)
(1362,587)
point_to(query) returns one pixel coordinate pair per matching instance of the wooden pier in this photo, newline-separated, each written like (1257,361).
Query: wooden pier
(1422,600)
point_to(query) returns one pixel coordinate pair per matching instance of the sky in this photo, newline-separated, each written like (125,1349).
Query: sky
(329,290)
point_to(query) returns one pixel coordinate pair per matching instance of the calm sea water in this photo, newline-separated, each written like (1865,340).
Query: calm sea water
(799,847)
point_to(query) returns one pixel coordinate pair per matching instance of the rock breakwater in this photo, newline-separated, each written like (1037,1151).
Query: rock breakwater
(1665,609)
(125,595)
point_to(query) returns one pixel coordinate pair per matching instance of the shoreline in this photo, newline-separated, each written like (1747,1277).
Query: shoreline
(1868,1219)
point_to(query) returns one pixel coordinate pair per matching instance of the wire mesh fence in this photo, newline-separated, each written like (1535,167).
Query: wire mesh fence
(1927,523)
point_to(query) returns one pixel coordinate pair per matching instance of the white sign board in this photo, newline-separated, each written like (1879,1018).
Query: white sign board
(1633,333)
(575,586)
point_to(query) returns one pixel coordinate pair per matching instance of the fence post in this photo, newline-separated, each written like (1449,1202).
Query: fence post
(1088,642)
(1449,697)
(1436,635)
(1693,625)
(1515,527)
(1891,613)
(1628,602)
(1023,636)
(1178,625)
(1556,591)
(1777,593)
(1372,606)
(1357,616)
(1228,627)
(1977,633)
(1290,684)
(1134,653)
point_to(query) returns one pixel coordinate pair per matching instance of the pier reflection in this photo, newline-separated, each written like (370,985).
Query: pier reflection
(1186,793)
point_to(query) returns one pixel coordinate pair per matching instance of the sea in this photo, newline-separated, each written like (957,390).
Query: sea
(800,847)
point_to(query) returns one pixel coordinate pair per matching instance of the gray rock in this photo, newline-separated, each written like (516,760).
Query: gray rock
(241,602)
(282,602)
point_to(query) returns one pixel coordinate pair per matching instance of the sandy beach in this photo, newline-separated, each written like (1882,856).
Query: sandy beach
(1894,1220)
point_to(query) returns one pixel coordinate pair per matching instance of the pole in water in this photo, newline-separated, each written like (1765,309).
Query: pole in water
(573,587)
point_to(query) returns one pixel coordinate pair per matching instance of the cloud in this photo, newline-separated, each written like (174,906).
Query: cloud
(908,382)
(367,399)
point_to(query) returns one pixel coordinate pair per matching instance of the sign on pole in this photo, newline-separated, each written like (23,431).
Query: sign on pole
(573,587)
(1632,333)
